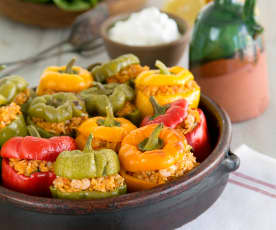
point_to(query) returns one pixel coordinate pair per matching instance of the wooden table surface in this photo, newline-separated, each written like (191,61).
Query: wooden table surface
(19,41)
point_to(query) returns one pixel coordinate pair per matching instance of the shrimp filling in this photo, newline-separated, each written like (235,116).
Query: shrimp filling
(101,184)
(61,128)
(190,122)
(8,114)
(168,89)
(128,73)
(162,176)
(28,167)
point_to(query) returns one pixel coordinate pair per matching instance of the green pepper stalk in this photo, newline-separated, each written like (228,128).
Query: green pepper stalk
(157,108)
(162,67)
(153,142)
(109,121)
(87,164)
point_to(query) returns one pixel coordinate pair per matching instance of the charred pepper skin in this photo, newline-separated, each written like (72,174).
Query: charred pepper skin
(10,87)
(88,163)
(15,128)
(102,72)
(32,148)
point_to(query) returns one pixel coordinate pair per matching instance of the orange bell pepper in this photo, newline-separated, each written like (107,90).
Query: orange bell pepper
(104,129)
(64,79)
(166,85)
(150,148)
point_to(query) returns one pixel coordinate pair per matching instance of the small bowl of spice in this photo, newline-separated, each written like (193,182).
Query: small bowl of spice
(150,34)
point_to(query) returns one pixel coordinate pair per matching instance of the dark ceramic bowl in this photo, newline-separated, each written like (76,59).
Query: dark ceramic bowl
(165,207)
(169,53)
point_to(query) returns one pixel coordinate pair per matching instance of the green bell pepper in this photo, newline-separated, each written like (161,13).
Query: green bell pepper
(57,107)
(10,87)
(15,128)
(116,95)
(100,96)
(109,69)
(88,164)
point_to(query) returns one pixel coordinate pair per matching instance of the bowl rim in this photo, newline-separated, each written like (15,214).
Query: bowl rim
(136,199)
(113,19)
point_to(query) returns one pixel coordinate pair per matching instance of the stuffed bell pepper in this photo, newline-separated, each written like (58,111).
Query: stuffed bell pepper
(119,96)
(13,89)
(108,131)
(27,164)
(120,70)
(67,78)
(87,174)
(56,114)
(153,155)
(190,122)
(166,85)
(12,122)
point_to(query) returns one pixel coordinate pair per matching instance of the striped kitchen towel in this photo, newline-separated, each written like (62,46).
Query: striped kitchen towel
(249,200)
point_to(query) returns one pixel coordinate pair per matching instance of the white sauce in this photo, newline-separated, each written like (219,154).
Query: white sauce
(145,28)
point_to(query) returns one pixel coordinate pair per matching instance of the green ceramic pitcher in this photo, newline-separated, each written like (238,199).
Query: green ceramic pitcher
(227,57)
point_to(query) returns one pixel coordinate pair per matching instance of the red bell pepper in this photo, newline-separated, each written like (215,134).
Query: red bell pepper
(170,115)
(199,138)
(32,148)
(174,114)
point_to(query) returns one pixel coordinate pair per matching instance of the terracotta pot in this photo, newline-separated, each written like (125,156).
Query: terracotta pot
(165,207)
(50,16)
(169,53)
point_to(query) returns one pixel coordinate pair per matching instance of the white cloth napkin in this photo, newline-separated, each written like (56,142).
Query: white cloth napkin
(249,200)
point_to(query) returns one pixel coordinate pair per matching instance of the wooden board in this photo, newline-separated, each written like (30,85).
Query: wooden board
(49,16)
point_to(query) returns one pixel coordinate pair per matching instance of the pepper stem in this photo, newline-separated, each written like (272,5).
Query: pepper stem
(32,130)
(88,146)
(162,67)
(157,108)
(2,67)
(69,66)
(153,142)
(109,121)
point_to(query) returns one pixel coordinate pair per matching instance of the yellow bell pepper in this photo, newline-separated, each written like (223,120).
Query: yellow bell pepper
(64,79)
(108,131)
(166,85)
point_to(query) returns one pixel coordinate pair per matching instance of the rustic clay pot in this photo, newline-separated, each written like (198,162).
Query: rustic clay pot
(165,207)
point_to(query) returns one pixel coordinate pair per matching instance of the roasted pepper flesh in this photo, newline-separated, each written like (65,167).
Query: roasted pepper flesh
(13,89)
(57,114)
(88,174)
(120,70)
(64,79)
(108,131)
(11,123)
(148,165)
(166,86)
(27,164)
